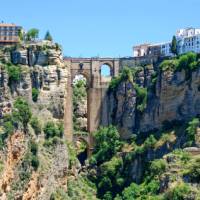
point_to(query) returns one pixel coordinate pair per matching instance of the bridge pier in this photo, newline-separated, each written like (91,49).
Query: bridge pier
(97,107)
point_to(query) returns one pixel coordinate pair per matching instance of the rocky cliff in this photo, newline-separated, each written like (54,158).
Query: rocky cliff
(36,72)
(168,95)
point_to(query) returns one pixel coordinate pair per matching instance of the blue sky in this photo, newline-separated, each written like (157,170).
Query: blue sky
(103,27)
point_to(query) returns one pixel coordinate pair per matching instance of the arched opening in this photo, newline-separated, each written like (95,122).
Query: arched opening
(82,150)
(80,104)
(80,115)
(105,70)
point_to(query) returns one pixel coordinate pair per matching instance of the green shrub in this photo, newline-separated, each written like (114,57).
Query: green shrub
(1,166)
(157,167)
(22,112)
(107,143)
(126,74)
(194,171)
(34,147)
(192,130)
(8,127)
(141,97)
(188,62)
(142,191)
(35,162)
(180,192)
(14,72)
(150,142)
(35,124)
(32,34)
(169,65)
(60,126)
(50,130)
(59,195)
(114,83)
(35,93)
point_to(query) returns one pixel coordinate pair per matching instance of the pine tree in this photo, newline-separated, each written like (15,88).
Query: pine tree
(174,49)
(48,36)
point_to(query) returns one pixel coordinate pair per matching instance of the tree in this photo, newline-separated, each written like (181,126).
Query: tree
(107,143)
(48,36)
(21,34)
(22,112)
(32,34)
(174,49)
(35,93)
(36,125)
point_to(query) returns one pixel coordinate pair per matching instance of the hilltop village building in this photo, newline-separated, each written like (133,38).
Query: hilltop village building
(9,34)
(187,40)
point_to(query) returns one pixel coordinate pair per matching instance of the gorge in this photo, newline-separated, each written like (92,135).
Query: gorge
(138,128)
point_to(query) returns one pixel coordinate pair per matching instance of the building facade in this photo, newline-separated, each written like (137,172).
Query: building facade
(187,40)
(140,50)
(9,34)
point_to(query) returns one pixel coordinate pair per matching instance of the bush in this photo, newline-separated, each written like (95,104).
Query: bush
(35,162)
(60,129)
(141,97)
(35,93)
(187,62)
(14,72)
(150,142)
(50,130)
(157,167)
(32,34)
(34,147)
(53,133)
(35,124)
(8,127)
(107,143)
(194,171)
(126,74)
(59,194)
(169,65)
(192,129)
(22,112)
(180,192)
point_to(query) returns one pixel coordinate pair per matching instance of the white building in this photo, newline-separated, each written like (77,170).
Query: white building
(140,50)
(187,32)
(166,49)
(187,40)
(160,49)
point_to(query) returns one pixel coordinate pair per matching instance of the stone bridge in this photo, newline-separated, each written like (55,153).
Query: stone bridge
(97,86)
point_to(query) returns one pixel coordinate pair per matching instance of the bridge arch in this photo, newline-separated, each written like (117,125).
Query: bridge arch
(106,70)
(97,91)
(82,145)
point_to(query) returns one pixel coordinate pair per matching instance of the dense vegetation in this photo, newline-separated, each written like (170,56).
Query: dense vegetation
(188,62)
(112,158)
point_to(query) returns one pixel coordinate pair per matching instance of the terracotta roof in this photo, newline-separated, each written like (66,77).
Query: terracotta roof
(7,25)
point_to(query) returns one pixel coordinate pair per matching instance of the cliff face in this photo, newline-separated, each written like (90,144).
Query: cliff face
(170,97)
(41,69)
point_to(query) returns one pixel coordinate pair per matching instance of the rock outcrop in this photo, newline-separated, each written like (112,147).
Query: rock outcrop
(42,67)
(37,66)
(171,98)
